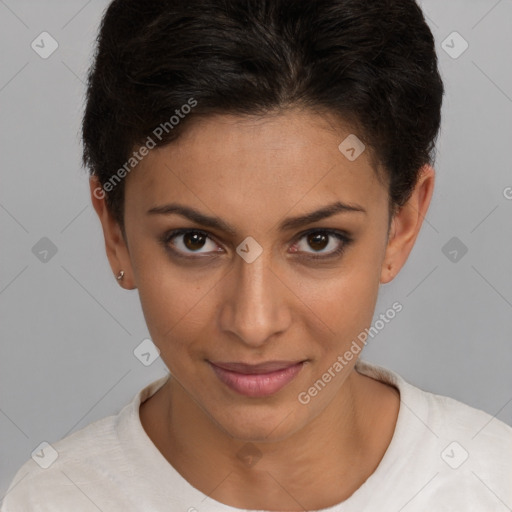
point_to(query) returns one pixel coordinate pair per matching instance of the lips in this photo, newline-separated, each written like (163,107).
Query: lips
(252,369)
(257,380)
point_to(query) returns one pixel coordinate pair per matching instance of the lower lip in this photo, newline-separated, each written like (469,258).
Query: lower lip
(257,385)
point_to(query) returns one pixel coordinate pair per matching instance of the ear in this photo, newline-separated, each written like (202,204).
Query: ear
(406,224)
(115,244)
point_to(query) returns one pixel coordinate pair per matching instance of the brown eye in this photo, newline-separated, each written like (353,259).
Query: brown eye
(193,240)
(190,241)
(319,240)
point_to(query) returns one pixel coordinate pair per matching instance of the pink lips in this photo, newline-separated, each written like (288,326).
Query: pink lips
(258,380)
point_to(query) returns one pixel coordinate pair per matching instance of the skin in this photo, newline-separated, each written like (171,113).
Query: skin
(254,172)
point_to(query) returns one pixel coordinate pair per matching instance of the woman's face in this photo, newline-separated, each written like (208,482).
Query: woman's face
(268,288)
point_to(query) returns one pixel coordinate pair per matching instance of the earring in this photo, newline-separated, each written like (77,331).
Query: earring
(120,275)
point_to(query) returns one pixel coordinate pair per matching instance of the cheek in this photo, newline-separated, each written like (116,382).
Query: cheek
(345,302)
(164,296)
(174,317)
(342,306)
(176,303)
(173,304)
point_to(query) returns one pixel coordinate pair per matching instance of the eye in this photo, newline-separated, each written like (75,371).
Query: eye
(326,243)
(189,241)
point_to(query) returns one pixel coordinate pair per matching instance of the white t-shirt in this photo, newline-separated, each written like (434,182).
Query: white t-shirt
(444,456)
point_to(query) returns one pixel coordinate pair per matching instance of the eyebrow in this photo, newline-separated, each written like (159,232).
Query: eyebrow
(287,224)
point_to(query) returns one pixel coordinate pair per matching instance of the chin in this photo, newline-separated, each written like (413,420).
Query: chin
(250,425)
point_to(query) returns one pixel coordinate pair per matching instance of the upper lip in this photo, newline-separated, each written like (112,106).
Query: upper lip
(266,367)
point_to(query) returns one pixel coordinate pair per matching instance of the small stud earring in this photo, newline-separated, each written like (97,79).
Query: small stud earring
(120,275)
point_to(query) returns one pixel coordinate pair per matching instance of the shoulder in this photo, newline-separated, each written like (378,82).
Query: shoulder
(445,416)
(461,454)
(56,473)
(450,416)
(473,451)
(93,468)
(487,440)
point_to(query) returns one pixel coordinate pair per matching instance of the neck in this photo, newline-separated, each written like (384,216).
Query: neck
(315,467)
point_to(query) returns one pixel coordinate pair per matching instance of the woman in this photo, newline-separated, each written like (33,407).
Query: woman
(259,169)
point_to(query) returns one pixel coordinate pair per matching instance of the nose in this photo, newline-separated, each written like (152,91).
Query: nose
(255,306)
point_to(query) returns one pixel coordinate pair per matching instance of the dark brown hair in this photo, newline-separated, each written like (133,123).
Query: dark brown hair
(372,63)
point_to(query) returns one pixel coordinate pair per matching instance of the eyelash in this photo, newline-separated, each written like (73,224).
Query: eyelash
(341,236)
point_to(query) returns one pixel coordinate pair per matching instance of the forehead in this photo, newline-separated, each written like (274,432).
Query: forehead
(246,164)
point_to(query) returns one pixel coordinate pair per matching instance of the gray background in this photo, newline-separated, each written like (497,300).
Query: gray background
(68,330)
